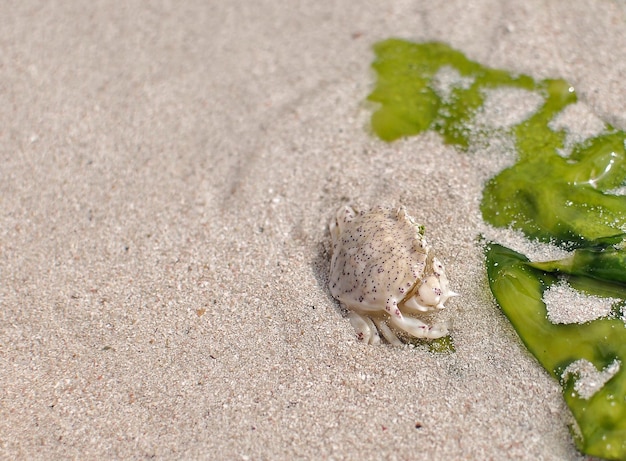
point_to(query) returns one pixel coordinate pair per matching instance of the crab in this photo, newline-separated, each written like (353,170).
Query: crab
(383,272)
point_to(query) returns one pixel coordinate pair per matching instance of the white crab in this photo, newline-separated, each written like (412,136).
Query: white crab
(381,270)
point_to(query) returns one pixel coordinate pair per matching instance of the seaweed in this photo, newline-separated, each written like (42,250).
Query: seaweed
(560,193)
(518,287)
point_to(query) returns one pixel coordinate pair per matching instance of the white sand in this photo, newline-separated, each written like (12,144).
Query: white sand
(167,175)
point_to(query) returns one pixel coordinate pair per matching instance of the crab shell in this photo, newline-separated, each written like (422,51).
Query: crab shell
(383,269)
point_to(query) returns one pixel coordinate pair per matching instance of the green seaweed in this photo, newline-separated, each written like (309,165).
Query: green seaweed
(443,345)
(562,200)
(518,287)
(408,96)
(598,263)
(565,199)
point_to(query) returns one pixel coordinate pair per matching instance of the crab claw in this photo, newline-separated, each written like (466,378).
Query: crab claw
(419,329)
(413,304)
(433,292)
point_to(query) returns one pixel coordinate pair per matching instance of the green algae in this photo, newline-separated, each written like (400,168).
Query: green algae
(518,288)
(410,103)
(443,345)
(562,200)
(555,192)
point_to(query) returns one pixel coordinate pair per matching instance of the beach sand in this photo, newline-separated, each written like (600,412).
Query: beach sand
(168,173)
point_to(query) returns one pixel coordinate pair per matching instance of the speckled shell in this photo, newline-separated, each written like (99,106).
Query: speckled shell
(378,258)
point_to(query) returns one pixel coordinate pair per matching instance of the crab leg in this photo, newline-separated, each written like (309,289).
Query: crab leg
(417,328)
(389,335)
(365,329)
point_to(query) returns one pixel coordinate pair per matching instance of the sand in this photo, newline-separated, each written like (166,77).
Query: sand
(167,173)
